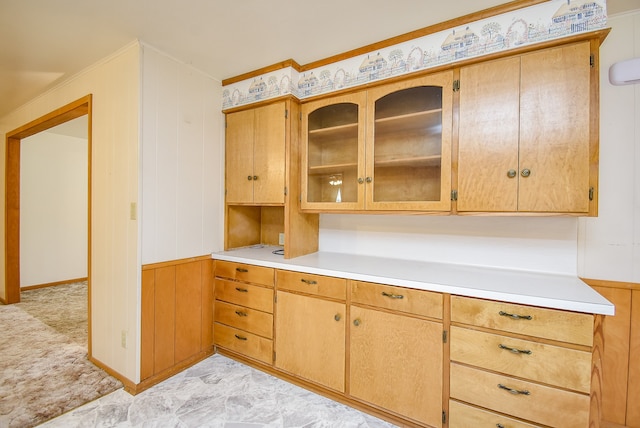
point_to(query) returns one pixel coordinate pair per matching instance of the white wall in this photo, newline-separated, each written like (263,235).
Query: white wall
(53,208)
(115,267)
(182,160)
(609,246)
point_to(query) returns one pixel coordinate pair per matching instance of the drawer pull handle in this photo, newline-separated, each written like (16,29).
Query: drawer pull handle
(392,296)
(514,391)
(242,290)
(241,314)
(499,426)
(242,270)
(240,337)
(515,350)
(515,316)
(309,281)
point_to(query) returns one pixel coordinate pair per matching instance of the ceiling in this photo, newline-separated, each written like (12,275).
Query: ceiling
(43,42)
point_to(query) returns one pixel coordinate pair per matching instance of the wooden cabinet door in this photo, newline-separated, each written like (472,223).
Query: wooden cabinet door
(333,153)
(488,136)
(396,363)
(255,154)
(239,156)
(408,144)
(310,339)
(555,129)
(269,154)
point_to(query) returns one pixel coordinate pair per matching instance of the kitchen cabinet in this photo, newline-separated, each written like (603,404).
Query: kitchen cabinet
(310,328)
(262,190)
(255,155)
(526,139)
(528,363)
(244,310)
(384,149)
(396,358)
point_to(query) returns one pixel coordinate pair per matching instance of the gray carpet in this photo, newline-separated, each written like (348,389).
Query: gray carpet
(43,372)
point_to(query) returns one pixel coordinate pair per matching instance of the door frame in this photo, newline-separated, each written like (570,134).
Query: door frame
(73,110)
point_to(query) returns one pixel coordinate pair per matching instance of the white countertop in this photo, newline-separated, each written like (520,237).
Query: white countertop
(530,288)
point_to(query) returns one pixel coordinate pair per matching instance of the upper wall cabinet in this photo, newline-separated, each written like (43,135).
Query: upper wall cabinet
(255,155)
(525,140)
(385,149)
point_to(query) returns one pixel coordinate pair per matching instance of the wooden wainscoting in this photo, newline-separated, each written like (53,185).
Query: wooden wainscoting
(621,365)
(177,317)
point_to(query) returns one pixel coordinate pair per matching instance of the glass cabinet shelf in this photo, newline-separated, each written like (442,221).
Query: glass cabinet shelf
(331,169)
(422,120)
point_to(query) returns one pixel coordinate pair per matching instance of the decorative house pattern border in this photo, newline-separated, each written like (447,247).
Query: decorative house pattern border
(534,24)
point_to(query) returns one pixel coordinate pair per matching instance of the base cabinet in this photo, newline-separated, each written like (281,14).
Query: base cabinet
(396,364)
(416,358)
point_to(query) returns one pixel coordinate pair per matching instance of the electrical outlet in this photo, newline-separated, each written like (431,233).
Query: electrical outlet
(123,339)
(281,239)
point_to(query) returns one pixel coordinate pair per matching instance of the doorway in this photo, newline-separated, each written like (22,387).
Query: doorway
(64,114)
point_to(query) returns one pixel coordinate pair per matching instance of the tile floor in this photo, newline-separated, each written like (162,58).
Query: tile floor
(217,392)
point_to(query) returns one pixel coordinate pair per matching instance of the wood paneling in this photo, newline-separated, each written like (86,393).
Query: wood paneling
(633,398)
(147,328)
(189,307)
(165,318)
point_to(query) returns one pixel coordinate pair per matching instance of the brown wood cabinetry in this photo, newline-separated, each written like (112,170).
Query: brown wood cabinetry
(530,363)
(526,143)
(310,328)
(262,191)
(383,149)
(395,358)
(177,316)
(244,310)
(255,155)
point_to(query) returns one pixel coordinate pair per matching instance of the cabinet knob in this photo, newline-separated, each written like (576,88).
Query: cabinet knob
(369,180)
(511,173)
(255,177)
(525,172)
(249,177)
(337,317)
(356,322)
(360,180)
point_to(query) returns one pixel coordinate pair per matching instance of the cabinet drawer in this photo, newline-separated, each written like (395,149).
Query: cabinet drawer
(554,365)
(551,324)
(465,416)
(526,400)
(243,343)
(256,322)
(319,285)
(401,299)
(251,296)
(247,273)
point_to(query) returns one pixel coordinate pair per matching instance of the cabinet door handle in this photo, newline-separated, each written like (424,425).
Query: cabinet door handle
(309,281)
(515,316)
(514,391)
(356,322)
(240,337)
(392,296)
(360,180)
(525,172)
(241,314)
(511,173)
(499,425)
(249,177)
(243,270)
(242,290)
(255,178)
(515,350)
(369,179)
(337,317)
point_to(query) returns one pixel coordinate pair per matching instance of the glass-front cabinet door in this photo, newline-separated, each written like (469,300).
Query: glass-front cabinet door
(333,153)
(408,145)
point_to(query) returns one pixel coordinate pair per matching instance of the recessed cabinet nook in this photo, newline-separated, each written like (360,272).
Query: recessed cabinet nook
(511,133)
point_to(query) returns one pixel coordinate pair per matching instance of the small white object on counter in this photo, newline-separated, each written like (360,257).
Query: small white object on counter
(546,290)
